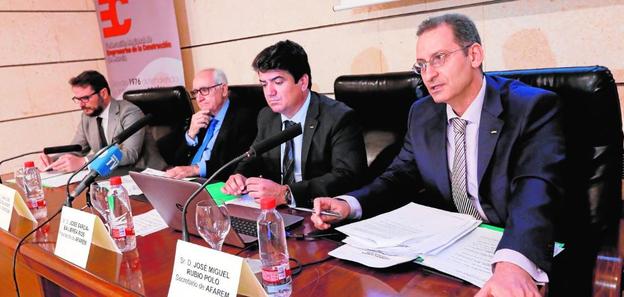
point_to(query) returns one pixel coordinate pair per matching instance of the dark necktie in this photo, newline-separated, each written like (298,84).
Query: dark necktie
(458,174)
(103,141)
(288,160)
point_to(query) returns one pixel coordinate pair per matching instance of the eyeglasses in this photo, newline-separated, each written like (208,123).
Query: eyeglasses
(205,91)
(83,99)
(437,60)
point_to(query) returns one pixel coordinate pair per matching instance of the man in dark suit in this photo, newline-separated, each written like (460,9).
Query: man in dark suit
(480,145)
(222,129)
(102,119)
(327,159)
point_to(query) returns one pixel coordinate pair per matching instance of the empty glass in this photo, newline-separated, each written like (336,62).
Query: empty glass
(213,223)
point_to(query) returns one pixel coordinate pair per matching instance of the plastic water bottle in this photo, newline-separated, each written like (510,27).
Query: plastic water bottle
(276,274)
(31,184)
(120,222)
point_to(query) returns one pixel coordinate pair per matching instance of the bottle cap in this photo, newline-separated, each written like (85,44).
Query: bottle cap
(267,203)
(29,164)
(115,180)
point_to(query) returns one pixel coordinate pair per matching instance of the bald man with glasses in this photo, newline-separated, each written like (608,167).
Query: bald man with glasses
(222,129)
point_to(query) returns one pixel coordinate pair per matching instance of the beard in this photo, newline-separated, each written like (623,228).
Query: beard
(95,111)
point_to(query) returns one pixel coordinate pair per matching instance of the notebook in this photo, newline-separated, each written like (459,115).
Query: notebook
(168,196)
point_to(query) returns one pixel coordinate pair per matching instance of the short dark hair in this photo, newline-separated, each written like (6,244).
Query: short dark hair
(463,27)
(285,55)
(92,78)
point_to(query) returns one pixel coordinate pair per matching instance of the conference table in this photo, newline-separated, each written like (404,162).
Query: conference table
(147,270)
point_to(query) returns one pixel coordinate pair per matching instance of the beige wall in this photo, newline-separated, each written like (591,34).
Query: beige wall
(48,43)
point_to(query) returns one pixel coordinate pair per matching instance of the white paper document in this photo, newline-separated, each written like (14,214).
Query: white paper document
(161,173)
(410,231)
(127,182)
(52,180)
(148,223)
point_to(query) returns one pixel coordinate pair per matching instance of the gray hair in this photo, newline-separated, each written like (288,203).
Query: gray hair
(463,27)
(218,75)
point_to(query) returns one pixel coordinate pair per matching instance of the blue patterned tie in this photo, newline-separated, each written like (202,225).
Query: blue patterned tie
(207,137)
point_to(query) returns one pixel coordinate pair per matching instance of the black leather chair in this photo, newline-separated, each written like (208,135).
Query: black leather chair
(171,108)
(252,94)
(588,221)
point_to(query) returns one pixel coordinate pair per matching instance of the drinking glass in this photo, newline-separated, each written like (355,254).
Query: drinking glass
(213,223)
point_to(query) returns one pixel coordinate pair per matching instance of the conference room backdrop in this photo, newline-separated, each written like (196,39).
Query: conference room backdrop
(44,43)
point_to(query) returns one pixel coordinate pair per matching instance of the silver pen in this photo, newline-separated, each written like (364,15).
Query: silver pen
(323,212)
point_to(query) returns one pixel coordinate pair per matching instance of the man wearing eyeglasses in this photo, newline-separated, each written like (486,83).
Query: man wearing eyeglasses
(222,129)
(102,119)
(481,145)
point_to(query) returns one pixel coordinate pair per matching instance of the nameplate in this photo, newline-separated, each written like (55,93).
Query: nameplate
(76,233)
(9,200)
(201,271)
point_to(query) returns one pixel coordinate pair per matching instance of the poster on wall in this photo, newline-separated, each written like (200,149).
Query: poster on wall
(141,44)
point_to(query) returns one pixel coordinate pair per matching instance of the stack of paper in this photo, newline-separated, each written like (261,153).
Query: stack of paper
(410,231)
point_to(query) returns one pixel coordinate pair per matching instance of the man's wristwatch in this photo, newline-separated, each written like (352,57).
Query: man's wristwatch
(288,197)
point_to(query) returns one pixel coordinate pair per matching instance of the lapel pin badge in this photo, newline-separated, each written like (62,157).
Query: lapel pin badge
(493,132)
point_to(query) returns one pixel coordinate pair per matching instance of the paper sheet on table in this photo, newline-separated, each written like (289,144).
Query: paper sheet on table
(245,200)
(421,228)
(53,181)
(148,223)
(127,182)
(370,258)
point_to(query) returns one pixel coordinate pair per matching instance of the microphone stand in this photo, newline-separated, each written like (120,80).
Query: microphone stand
(70,199)
(185,236)
(19,156)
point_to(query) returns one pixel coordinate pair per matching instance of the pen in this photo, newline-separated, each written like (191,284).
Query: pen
(323,212)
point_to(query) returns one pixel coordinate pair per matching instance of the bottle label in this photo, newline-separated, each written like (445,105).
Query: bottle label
(117,233)
(275,274)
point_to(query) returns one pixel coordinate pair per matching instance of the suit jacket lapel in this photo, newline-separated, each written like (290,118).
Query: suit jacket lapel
(435,135)
(490,126)
(113,119)
(308,128)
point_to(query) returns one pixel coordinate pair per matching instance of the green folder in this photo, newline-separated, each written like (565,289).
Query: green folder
(218,196)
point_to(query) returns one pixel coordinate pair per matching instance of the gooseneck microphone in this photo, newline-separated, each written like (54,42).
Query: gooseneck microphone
(255,150)
(136,126)
(62,149)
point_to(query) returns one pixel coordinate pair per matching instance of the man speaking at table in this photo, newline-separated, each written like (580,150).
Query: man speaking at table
(102,119)
(481,145)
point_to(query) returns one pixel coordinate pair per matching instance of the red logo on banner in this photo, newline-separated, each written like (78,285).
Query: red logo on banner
(115,29)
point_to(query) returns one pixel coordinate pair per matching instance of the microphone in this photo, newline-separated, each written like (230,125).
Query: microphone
(62,149)
(101,166)
(121,137)
(275,140)
(257,149)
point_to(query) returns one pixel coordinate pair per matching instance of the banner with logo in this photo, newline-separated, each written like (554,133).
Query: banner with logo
(141,44)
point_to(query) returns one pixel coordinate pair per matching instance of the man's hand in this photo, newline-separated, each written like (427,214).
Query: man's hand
(180,172)
(199,120)
(509,280)
(235,185)
(259,187)
(68,163)
(323,222)
(43,162)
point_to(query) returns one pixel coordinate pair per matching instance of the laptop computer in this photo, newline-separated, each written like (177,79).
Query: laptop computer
(168,196)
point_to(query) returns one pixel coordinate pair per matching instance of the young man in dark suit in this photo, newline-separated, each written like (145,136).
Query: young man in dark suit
(329,157)
(479,144)
(222,129)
